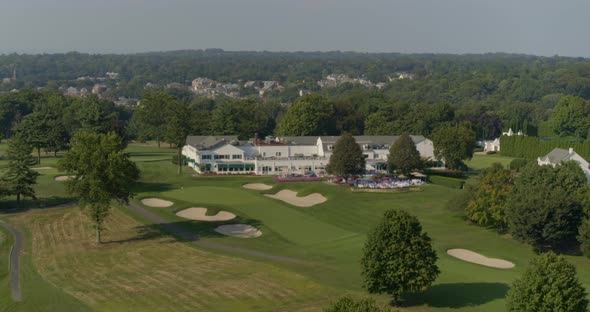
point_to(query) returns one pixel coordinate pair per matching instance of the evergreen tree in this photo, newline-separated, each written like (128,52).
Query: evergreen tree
(398,257)
(403,156)
(19,176)
(347,158)
(549,284)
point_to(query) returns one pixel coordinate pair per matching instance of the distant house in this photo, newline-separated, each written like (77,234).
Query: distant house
(559,155)
(491,146)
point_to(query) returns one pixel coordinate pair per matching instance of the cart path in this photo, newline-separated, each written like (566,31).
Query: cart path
(13,261)
(175,230)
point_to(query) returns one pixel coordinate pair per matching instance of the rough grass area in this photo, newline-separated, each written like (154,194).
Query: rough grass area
(141,268)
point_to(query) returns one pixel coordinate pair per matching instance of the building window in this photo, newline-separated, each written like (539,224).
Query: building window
(221,157)
(204,157)
(330,147)
(237,156)
(278,154)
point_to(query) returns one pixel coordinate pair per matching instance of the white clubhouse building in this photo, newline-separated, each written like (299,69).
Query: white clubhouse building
(282,155)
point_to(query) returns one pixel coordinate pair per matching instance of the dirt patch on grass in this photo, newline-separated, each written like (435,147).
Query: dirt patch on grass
(156,202)
(199,214)
(42,168)
(290,197)
(257,186)
(474,257)
(64,178)
(239,230)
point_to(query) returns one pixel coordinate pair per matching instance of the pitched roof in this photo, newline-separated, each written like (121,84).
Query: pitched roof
(204,142)
(557,155)
(374,141)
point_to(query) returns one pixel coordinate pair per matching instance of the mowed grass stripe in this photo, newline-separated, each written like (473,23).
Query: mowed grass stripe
(152,273)
(286,220)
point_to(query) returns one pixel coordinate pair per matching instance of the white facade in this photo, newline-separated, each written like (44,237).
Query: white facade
(492,146)
(226,155)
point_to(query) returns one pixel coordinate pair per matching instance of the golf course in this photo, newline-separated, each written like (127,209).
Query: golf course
(238,243)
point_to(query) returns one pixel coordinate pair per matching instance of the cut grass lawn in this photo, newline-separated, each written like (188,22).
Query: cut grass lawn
(146,265)
(479,162)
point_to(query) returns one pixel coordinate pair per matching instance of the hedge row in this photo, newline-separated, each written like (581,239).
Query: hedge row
(532,147)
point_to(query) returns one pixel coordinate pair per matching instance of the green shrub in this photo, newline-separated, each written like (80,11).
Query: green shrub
(518,163)
(348,304)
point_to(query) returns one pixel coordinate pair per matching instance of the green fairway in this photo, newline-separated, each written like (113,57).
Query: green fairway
(479,162)
(141,262)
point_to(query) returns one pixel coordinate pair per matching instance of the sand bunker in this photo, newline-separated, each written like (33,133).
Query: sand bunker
(474,257)
(42,168)
(257,186)
(238,230)
(64,178)
(199,215)
(156,202)
(290,197)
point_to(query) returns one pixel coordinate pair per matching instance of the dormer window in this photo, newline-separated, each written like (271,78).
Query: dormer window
(365,146)
(330,147)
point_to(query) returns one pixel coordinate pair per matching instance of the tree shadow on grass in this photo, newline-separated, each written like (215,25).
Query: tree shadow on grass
(12,206)
(153,187)
(180,231)
(459,295)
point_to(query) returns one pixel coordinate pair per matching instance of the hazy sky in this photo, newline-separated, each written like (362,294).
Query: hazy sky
(542,27)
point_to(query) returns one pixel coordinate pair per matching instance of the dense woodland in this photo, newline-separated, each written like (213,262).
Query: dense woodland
(493,91)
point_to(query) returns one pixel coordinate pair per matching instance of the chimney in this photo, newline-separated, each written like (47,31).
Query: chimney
(571,150)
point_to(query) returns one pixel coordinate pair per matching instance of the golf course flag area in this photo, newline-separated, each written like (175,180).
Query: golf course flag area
(195,243)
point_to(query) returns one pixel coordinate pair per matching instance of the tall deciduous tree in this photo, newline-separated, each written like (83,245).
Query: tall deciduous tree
(398,257)
(489,196)
(549,284)
(544,206)
(151,114)
(571,117)
(403,155)
(102,173)
(34,130)
(347,158)
(177,127)
(308,115)
(20,177)
(453,144)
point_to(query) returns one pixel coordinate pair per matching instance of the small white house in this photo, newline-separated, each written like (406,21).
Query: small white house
(492,146)
(558,155)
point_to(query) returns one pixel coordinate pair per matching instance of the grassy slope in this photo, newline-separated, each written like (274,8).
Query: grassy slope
(333,233)
(330,235)
(140,267)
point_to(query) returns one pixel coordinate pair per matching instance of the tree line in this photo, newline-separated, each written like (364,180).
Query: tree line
(544,206)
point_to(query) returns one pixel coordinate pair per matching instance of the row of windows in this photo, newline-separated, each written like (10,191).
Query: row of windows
(236,156)
(277,154)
